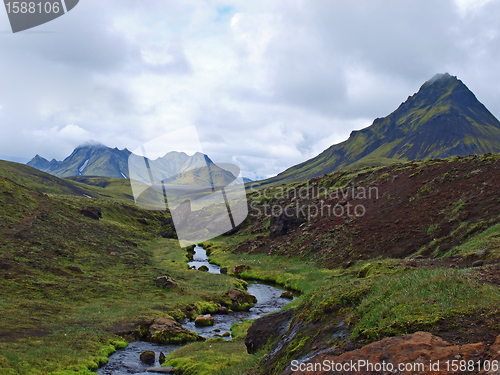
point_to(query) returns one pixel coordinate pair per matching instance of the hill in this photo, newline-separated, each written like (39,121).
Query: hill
(444,118)
(377,252)
(79,186)
(72,286)
(38,180)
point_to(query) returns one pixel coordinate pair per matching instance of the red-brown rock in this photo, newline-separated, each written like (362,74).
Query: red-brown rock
(418,348)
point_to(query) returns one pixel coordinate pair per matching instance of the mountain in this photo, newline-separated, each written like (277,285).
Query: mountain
(87,160)
(176,168)
(442,119)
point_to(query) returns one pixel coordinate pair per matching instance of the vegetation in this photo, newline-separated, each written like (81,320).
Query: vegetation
(59,319)
(418,129)
(73,288)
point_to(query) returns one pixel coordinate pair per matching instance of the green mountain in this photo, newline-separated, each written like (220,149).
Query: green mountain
(442,119)
(87,160)
(177,168)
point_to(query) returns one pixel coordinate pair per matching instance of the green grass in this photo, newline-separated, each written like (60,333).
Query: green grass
(57,321)
(214,357)
(417,299)
(37,180)
(487,241)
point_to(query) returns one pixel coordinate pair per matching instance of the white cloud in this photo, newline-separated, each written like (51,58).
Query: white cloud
(267,83)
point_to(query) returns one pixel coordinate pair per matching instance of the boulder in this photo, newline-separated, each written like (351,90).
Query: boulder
(241,300)
(92,212)
(166,282)
(223,270)
(347,264)
(148,357)
(495,349)
(168,331)
(280,225)
(478,263)
(162,358)
(222,310)
(421,348)
(75,268)
(161,370)
(288,295)
(266,328)
(182,213)
(237,270)
(204,320)
(203,268)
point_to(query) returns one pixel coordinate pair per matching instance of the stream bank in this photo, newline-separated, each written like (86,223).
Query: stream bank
(127,361)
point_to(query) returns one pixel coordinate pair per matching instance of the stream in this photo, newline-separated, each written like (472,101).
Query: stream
(126,361)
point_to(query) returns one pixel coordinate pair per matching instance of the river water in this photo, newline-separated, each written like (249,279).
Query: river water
(126,361)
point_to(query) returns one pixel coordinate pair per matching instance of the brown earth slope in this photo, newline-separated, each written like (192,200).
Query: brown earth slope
(394,211)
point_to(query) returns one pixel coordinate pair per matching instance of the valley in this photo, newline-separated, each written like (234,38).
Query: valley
(423,257)
(389,241)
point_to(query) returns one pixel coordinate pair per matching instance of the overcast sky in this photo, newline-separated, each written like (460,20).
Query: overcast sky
(268,84)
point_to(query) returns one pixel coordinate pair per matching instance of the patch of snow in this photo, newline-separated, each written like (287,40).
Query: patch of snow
(88,196)
(123,175)
(80,170)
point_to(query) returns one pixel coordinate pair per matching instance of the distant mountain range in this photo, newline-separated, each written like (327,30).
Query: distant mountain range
(87,160)
(99,160)
(442,119)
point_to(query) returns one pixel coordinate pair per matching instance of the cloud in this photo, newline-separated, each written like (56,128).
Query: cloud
(267,84)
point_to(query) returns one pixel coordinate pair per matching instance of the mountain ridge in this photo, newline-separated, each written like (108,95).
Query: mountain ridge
(444,118)
(98,160)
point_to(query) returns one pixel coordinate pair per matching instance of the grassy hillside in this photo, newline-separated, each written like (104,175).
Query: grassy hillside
(423,257)
(79,186)
(38,180)
(55,319)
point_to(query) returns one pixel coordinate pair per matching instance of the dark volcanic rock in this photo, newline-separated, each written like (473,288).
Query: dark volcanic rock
(282,224)
(161,370)
(266,328)
(148,357)
(92,212)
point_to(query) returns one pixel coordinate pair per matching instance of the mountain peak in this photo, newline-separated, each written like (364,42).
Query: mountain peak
(444,118)
(90,144)
(442,77)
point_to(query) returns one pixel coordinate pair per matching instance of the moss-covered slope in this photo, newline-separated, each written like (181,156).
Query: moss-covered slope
(442,119)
